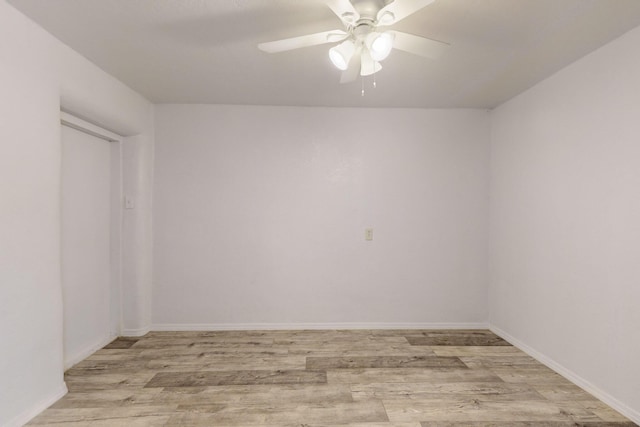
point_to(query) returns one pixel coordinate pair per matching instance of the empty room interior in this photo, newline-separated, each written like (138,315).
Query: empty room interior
(355,213)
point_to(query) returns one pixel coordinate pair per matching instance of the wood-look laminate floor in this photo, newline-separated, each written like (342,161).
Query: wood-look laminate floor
(355,378)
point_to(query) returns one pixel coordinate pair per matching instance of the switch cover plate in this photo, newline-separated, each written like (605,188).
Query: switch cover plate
(368,233)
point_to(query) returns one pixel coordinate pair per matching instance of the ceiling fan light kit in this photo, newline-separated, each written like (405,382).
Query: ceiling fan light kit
(363,44)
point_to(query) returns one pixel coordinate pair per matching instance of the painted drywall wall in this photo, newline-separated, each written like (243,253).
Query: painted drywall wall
(30,293)
(565,228)
(260,216)
(37,75)
(137,234)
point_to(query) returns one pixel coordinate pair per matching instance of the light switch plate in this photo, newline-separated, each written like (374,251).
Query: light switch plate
(129,203)
(368,233)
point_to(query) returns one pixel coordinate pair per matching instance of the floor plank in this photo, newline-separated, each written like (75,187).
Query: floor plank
(281,413)
(401,375)
(222,378)
(121,342)
(323,363)
(494,391)
(457,340)
(527,424)
(475,410)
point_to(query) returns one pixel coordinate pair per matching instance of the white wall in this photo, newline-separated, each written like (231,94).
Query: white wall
(137,234)
(36,73)
(30,293)
(260,215)
(565,221)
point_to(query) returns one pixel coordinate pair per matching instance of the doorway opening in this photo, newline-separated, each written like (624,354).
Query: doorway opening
(91,229)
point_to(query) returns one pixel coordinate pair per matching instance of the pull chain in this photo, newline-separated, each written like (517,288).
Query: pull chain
(362,83)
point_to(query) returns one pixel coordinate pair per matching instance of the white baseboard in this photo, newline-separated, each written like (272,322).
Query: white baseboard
(135,332)
(36,409)
(81,355)
(315,326)
(625,410)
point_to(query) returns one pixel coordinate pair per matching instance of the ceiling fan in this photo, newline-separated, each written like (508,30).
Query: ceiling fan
(365,41)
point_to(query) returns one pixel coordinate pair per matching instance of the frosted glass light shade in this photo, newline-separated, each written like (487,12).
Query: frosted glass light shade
(341,55)
(380,45)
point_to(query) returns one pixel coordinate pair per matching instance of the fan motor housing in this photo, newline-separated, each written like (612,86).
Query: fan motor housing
(368,9)
(362,28)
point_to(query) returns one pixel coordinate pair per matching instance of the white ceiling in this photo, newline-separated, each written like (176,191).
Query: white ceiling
(204,51)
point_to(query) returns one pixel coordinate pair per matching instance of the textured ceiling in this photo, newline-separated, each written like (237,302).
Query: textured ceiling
(204,51)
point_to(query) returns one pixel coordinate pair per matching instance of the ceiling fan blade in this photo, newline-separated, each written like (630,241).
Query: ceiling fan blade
(400,9)
(352,73)
(344,9)
(303,41)
(417,45)
(369,66)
